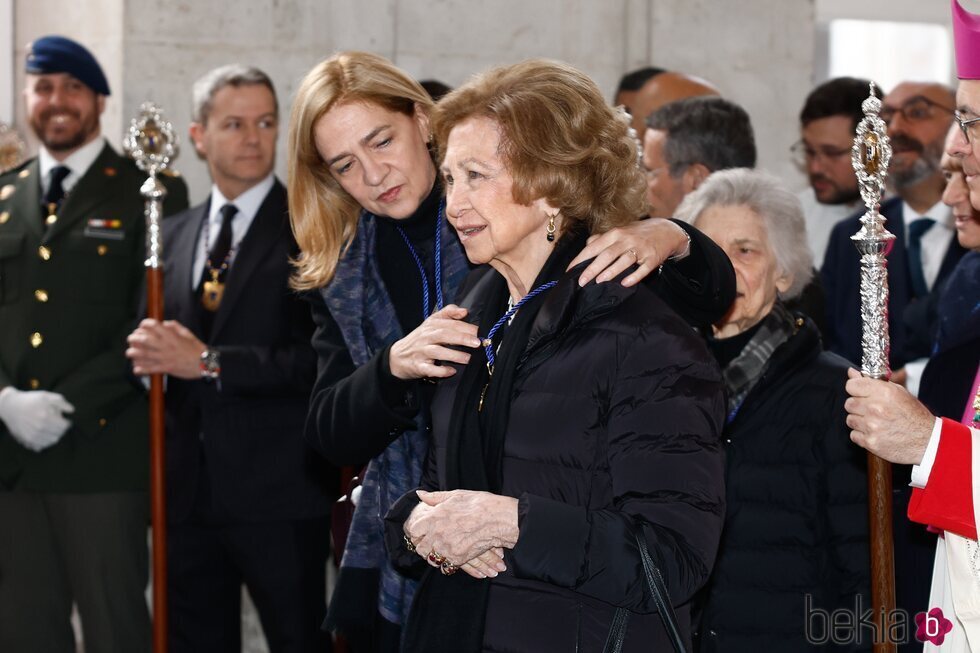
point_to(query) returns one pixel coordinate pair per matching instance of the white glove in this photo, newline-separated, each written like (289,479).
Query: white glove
(35,418)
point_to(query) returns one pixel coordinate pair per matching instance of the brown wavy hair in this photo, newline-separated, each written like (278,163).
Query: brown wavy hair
(323,215)
(563,143)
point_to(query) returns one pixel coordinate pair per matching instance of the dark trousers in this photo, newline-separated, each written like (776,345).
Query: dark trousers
(87,549)
(283,565)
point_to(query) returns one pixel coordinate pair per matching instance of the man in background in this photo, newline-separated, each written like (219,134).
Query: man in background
(662,89)
(73,430)
(686,141)
(828,119)
(248,502)
(632,82)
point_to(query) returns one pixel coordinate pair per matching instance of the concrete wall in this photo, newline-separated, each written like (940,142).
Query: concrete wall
(153,50)
(759,52)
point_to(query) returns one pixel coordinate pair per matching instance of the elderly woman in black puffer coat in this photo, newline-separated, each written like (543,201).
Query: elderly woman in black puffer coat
(795,543)
(588,416)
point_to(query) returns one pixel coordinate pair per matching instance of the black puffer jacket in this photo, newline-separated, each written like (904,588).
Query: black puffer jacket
(616,414)
(796,523)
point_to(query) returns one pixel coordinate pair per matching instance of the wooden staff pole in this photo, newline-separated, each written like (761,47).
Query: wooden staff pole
(870,156)
(154,192)
(882,549)
(152,144)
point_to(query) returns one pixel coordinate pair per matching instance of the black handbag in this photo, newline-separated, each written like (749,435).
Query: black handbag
(657,587)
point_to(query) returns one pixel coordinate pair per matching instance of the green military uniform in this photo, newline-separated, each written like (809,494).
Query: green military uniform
(69,289)
(73,515)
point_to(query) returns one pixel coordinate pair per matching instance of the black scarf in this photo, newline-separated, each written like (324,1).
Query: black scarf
(449,611)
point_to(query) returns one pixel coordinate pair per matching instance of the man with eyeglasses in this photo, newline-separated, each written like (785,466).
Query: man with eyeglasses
(967,148)
(827,121)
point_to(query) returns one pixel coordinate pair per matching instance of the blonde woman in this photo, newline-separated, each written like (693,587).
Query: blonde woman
(366,208)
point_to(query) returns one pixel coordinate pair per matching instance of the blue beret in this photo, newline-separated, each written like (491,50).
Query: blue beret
(57,54)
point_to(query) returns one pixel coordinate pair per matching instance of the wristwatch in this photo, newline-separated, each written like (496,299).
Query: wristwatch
(210,364)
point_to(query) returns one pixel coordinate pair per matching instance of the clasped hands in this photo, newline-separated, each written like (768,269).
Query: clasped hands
(464,528)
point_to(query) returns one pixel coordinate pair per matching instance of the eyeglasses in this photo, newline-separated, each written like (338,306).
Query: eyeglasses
(803,154)
(917,109)
(965,124)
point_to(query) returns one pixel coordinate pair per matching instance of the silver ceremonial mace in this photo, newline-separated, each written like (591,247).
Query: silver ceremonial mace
(152,144)
(870,156)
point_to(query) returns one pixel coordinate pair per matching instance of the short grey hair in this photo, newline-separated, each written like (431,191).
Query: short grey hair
(780,210)
(712,131)
(231,75)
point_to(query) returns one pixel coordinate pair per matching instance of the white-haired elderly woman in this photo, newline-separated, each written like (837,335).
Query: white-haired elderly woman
(795,536)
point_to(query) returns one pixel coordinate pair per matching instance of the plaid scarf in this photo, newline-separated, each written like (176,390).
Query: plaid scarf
(360,304)
(747,368)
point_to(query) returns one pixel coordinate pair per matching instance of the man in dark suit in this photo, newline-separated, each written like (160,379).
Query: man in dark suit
(248,502)
(921,257)
(73,429)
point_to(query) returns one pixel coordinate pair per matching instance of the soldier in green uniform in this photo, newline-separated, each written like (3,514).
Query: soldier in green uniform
(73,427)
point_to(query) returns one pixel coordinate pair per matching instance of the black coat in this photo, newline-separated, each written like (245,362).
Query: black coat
(947,382)
(355,412)
(616,414)
(249,428)
(796,522)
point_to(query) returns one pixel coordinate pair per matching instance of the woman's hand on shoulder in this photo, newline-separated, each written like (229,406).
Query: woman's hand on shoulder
(463,526)
(415,355)
(646,243)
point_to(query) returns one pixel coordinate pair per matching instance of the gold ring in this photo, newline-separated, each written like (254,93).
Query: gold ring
(447,568)
(633,252)
(435,558)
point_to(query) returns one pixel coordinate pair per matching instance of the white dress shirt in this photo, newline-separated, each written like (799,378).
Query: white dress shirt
(248,204)
(935,241)
(78,162)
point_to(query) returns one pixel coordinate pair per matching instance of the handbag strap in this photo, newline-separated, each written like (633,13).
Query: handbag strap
(617,631)
(658,589)
(655,581)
